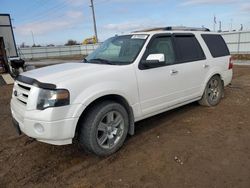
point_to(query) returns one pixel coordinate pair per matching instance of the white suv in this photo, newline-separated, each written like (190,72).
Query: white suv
(127,79)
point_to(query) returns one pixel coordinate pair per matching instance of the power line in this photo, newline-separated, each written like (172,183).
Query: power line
(30,11)
(44,14)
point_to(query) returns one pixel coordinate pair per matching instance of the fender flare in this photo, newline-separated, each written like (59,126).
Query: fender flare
(109,96)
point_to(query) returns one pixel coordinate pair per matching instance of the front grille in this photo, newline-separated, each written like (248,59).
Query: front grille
(21,92)
(23,87)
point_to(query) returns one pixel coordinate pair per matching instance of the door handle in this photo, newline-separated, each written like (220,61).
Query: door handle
(174,72)
(206,66)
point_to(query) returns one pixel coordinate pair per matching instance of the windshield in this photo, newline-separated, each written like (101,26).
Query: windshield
(118,50)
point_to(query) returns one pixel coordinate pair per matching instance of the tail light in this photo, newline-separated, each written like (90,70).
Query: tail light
(230,66)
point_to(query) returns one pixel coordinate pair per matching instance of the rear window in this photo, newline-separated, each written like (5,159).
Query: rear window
(188,48)
(216,45)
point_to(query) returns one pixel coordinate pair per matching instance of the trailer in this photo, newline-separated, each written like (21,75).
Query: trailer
(3,56)
(10,62)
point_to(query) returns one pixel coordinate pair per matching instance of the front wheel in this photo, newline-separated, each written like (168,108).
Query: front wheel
(104,129)
(213,92)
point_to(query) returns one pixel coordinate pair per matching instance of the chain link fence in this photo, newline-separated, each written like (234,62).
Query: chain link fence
(238,43)
(55,51)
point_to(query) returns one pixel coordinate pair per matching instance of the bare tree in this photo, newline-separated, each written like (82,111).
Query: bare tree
(23,45)
(71,43)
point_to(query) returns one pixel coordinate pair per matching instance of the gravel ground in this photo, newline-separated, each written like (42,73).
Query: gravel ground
(192,146)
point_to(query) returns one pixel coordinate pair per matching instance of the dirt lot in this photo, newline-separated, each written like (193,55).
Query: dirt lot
(191,146)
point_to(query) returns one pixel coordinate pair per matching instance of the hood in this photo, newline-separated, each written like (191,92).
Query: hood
(58,73)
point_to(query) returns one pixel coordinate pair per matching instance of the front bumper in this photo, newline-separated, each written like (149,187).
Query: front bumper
(57,132)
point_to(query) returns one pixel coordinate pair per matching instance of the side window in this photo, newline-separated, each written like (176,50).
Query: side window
(161,45)
(216,45)
(188,48)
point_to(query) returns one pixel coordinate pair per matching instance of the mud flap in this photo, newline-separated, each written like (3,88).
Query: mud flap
(16,125)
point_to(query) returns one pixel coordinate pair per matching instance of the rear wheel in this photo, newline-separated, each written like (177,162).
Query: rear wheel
(104,129)
(213,92)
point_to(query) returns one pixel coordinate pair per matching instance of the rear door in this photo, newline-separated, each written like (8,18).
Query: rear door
(3,58)
(191,66)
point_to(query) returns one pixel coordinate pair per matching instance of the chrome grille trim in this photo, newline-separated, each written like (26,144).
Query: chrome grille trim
(21,92)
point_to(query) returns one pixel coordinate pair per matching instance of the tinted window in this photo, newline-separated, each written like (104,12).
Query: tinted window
(188,48)
(161,45)
(216,45)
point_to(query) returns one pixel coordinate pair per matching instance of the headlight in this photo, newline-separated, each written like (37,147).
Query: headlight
(52,98)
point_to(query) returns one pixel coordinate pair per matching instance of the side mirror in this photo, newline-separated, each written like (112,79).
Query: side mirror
(153,61)
(156,58)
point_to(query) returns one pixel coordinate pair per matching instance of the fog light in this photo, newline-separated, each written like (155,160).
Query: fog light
(39,128)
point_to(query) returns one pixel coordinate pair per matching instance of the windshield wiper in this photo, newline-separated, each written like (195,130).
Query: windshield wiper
(100,60)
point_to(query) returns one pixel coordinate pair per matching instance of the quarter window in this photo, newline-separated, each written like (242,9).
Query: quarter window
(216,45)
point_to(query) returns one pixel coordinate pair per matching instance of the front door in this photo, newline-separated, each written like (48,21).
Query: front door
(157,87)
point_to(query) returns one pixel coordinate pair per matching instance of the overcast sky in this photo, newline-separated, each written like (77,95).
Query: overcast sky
(56,21)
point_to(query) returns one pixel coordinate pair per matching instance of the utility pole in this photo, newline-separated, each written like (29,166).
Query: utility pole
(241,27)
(231,24)
(93,13)
(32,34)
(215,22)
(220,26)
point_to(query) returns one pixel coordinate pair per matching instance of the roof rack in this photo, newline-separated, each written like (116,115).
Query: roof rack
(174,28)
(183,28)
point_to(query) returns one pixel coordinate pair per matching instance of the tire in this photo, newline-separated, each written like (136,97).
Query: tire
(213,93)
(104,129)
